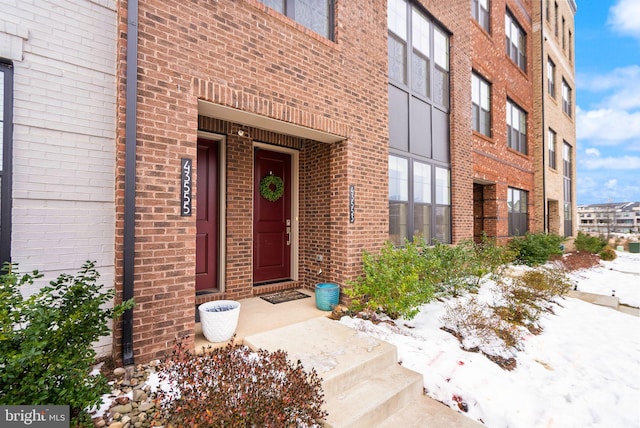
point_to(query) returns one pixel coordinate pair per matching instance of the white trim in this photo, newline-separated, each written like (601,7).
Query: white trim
(222,207)
(295,202)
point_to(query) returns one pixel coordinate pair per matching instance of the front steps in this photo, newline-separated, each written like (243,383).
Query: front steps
(363,384)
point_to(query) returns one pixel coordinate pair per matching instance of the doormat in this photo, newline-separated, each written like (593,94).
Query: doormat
(284,296)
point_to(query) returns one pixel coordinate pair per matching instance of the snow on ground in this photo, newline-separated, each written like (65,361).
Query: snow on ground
(582,371)
(621,275)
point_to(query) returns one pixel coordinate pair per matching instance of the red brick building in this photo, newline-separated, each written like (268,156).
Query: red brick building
(502,92)
(356,117)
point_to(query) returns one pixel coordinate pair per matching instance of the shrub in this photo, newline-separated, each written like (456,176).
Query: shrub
(395,282)
(479,328)
(46,340)
(523,298)
(535,249)
(589,243)
(453,269)
(608,254)
(235,387)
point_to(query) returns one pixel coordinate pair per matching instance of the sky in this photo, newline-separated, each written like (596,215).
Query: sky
(607,46)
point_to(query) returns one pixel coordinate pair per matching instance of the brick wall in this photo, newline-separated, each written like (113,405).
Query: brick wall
(493,162)
(64,135)
(248,57)
(549,112)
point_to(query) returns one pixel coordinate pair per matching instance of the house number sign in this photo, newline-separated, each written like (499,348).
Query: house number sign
(352,203)
(185,189)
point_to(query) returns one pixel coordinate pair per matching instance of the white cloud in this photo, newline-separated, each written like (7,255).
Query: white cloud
(624,17)
(611,163)
(611,184)
(592,152)
(607,126)
(620,83)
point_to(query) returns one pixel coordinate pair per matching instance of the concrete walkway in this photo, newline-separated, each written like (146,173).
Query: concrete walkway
(364,385)
(612,302)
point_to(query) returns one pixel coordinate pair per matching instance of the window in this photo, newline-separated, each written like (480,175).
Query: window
(427,71)
(548,10)
(517,203)
(570,46)
(516,42)
(566,98)
(567,172)
(551,78)
(6,133)
(516,128)
(555,19)
(317,15)
(480,12)
(564,44)
(552,149)
(481,105)
(419,176)
(420,206)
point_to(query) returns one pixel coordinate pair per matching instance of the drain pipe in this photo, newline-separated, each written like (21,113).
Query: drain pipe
(545,221)
(130,178)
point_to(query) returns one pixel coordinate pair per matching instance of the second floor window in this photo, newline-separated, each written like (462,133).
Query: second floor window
(552,149)
(551,78)
(566,98)
(516,128)
(516,42)
(316,15)
(480,12)
(481,105)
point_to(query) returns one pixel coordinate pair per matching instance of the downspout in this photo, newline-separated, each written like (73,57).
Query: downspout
(130,178)
(545,221)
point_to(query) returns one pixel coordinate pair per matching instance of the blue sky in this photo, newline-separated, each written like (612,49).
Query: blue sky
(607,46)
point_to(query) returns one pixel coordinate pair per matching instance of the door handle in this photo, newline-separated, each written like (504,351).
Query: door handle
(288,236)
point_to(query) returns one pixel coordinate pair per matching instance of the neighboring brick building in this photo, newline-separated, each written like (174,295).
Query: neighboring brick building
(554,92)
(241,147)
(503,137)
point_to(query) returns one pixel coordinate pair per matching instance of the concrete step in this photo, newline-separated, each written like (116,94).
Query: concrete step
(423,412)
(374,398)
(340,355)
(363,384)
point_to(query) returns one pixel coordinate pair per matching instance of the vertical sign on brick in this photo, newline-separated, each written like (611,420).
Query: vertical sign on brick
(352,203)
(185,192)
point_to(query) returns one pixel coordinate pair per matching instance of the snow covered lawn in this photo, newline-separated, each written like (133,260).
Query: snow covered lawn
(582,371)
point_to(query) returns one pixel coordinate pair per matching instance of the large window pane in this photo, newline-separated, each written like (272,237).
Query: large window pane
(443,186)
(314,14)
(398,179)
(397,17)
(443,224)
(420,57)
(398,223)
(441,74)
(397,59)
(421,182)
(317,15)
(422,222)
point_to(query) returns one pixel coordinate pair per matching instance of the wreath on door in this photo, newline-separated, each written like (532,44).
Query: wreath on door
(271,187)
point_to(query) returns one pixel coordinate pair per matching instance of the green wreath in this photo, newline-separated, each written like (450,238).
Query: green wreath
(271,187)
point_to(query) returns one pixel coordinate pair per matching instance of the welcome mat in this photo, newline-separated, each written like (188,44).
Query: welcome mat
(284,296)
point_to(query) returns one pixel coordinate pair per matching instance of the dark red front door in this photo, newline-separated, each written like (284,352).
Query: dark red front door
(207,216)
(271,219)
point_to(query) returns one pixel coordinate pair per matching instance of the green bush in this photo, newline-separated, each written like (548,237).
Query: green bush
(589,243)
(235,387)
(534,249)
(46,340)
(608,254)
(395,282)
